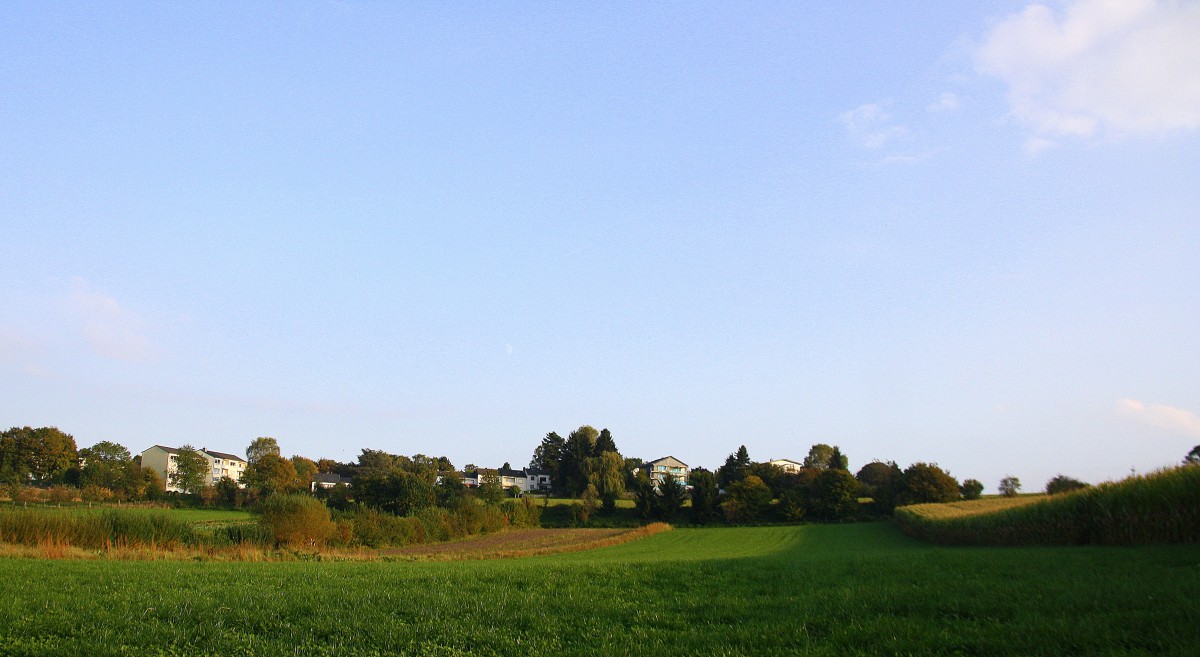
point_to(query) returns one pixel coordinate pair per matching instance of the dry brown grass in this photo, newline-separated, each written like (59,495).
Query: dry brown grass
(972,507)
(502,545)
(523,543)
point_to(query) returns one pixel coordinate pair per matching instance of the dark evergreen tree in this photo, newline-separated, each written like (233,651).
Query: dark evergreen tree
(838,461)
(734,468)
(671,496)
(604,443)
(704,495)
(578,449)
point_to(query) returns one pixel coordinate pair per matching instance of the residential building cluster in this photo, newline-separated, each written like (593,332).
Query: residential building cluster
(526,480)
(221,465)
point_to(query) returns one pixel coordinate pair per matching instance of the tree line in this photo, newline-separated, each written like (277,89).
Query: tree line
(586,465)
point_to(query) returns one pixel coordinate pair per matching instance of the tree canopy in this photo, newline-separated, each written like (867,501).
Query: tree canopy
(926,482)
(44,455)
(260,447)
(191,470)
(1010,486)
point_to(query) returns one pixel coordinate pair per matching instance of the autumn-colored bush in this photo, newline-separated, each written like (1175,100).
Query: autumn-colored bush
(297,520)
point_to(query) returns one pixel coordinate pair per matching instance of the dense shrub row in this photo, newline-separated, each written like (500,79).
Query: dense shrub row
(372,528)
(296,521)
(1162,507)
(93,529)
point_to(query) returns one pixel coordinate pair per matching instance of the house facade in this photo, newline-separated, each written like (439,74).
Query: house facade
(328,480)
(525,480)
(788,465)
(220,465)
(668,466)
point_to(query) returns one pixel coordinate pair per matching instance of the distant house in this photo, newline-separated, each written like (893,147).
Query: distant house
(220,465)
(525,480)
(539,480)
(668,466)
(328,480)
(788,465)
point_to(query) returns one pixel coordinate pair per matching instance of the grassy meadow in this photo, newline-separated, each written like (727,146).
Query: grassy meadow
(861,589)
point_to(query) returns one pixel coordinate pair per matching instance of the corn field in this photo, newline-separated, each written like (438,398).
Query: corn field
(1161,507)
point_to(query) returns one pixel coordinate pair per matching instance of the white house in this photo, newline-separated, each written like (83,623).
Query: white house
(525,480)
(668,466)
(220,465)
(788,465)
(328,480)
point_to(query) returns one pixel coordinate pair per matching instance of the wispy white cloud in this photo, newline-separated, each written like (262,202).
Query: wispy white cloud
(948,101)
(871,127)
(1099,68)
(109,329)
(21,352)
(1035,146)
(1161,416)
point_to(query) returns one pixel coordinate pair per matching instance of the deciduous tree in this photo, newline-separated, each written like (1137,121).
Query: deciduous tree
(1010,486)
(748,500)
(306,470)
(835,495)
(272,474)
(971,489)
(926,482)
(1064,484)
(578,449)
(606,473)
(260,447)
(490,490)
(104,464)
(45,454)
(820,456)
(1193,457)
(191,470)
(883,483)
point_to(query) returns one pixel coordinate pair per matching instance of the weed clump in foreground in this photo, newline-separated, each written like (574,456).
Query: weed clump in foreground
(1162,507)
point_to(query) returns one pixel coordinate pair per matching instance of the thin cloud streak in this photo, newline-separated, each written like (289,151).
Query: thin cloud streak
(109,329)
(1161,416)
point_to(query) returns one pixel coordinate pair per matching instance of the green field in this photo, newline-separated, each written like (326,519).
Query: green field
(822,590)
(197,516)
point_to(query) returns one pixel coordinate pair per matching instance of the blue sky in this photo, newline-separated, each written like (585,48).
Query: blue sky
(966,233)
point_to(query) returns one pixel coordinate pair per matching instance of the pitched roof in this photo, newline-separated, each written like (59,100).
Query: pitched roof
(664,459)
(223,455)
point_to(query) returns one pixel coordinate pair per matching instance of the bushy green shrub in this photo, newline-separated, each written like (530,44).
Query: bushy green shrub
(296,520)
(522,513)
(971,489)
(1063,484)
(376,529)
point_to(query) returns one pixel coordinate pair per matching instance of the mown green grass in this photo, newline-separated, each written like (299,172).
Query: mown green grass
(860,589)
